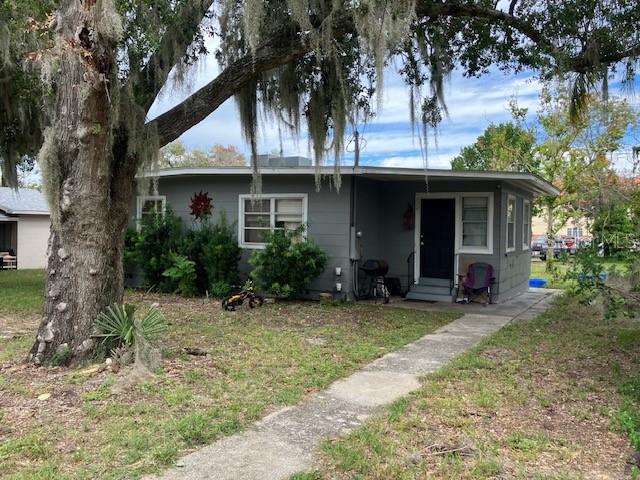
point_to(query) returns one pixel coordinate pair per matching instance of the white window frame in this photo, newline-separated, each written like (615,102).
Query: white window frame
(575,232)
(140,203)
(488,250)
(526,224)
(515,223)
(272,197)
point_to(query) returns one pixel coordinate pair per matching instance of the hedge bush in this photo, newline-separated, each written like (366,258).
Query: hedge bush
(288,264)
(183,275)
(159,236)
(213,249)
(221,257)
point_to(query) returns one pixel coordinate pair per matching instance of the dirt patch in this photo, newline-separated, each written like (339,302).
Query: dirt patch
(12,326)
(497,354)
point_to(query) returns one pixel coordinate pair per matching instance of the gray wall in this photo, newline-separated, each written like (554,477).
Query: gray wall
(379,216)
(380,207)
(328,213)
(389,240)
(515,266)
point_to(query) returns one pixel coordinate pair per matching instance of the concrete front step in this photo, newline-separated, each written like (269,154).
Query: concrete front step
(432,289)
(428,297)
(435,282)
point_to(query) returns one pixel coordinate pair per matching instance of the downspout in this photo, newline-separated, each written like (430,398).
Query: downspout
(353,248)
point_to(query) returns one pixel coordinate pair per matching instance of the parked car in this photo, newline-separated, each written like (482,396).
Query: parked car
(538,244)
(562,246)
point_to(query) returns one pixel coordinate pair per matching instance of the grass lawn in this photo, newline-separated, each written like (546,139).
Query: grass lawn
(558,280)
(95,425)
(554,280)
(22,291)
(554,398)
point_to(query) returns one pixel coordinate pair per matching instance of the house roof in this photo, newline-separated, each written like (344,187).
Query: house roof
(527,181)
(23,201)
(4,218)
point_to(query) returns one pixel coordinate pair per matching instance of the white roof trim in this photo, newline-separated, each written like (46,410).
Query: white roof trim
(5,218)
(534,182)
(23,212)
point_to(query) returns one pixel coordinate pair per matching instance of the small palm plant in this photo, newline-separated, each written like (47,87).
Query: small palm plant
(119,326)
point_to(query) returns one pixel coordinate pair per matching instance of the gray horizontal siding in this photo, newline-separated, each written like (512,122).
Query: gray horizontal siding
(380,208)
(328,213)
(515,266)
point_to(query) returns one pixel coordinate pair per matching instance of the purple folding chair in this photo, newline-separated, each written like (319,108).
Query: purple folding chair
(478,280)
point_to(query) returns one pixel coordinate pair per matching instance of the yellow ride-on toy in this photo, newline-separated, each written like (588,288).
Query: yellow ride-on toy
(248,292)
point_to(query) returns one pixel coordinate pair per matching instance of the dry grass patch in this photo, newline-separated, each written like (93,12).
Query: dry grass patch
(538,400)
(257,360)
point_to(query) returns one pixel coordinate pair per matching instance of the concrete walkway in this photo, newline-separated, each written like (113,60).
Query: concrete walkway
(284,442)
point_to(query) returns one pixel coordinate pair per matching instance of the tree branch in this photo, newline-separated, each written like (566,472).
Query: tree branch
(198,106)
(176,40)
(471,10)
(576,63)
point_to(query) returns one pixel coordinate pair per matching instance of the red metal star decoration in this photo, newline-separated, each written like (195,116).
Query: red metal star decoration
(201,205)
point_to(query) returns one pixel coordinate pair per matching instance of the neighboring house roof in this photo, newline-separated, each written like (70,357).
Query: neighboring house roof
(23,201)
(527,181)
(4,218)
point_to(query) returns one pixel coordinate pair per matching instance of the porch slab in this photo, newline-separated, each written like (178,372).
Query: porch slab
(285,442)
(510,308)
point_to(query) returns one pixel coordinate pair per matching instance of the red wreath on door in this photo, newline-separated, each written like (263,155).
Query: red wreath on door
(408,219)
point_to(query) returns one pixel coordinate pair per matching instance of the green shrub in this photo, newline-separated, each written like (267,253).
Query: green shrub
(195,245)
(160,234)
(212,250)
(131,249)
(222,255)
(288,264)
(220,289)
(215,251)
(182,274)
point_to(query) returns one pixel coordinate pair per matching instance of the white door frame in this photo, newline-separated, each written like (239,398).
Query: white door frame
(457,247)
(418,227)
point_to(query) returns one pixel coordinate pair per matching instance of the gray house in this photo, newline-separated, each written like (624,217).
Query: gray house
(427,231)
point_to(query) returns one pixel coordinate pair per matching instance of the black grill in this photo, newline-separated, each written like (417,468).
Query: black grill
(375,268)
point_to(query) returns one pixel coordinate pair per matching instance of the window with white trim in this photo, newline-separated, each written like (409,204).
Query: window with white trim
(149,205)
(526,224)
(475,222)
(575,232)
(258,216)
(511,223)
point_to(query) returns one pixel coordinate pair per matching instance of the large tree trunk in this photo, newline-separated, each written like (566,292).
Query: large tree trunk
(88,190)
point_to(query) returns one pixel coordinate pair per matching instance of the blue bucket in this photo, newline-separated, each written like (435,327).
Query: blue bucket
(537,282)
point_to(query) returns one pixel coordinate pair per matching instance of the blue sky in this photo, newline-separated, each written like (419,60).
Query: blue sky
(473,104)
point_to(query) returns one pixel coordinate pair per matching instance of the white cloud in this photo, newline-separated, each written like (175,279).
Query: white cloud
(473,103)
(417,161)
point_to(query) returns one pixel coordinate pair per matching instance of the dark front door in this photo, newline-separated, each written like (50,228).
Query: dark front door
(437,237)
